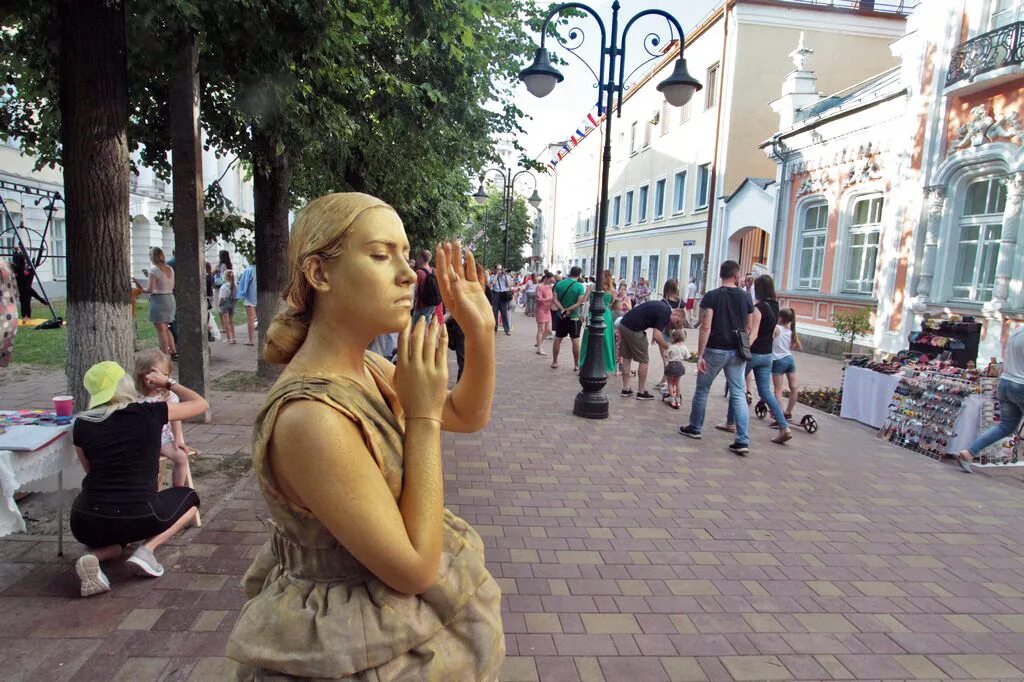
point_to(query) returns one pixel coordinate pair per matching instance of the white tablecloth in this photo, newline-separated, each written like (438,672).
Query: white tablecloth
(867,395)
(35,471)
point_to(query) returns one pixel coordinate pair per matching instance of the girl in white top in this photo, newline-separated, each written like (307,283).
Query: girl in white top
(783,363)
(675,355)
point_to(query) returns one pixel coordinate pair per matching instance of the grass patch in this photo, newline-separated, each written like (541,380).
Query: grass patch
(240,381)
(48,347)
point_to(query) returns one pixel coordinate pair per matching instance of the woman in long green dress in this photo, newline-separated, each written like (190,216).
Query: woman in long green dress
(609,330)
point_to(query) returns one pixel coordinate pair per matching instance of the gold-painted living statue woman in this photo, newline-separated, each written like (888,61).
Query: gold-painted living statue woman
(366,575)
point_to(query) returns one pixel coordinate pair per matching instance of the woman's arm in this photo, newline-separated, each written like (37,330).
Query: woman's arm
(192,404)
(81,458)
(324,464)
(796,342)
(753,325)
(467,407)
(179,437)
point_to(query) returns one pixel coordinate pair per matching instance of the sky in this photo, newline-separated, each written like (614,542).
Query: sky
(556,116)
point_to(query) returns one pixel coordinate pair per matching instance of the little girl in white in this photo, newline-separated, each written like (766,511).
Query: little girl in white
(674,368)
(172,441)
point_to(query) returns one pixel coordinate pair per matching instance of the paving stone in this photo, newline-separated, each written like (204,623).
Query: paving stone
(756,668)
(620,557)
(987,667)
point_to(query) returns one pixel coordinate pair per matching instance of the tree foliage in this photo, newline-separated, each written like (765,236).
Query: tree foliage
(485,233)
(399,99)
(849,324)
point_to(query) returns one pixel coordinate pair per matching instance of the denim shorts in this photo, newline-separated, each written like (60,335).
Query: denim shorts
(786,365)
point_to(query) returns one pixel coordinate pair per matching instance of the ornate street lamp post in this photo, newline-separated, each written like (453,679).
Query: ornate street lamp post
(540,79)
(508,182)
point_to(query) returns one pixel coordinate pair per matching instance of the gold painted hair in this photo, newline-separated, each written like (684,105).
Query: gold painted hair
(319,230)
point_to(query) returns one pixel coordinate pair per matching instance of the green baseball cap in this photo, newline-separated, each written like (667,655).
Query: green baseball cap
(101,382)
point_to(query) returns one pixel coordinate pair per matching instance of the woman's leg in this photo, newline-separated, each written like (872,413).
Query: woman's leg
(227,328)
(25,301)
(763,380)
(777,381)
(108,553)
(540,338)
(1011,409)
(185,519)
(172,347)
(250,317)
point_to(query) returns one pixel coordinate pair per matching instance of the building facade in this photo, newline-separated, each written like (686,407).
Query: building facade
(903,192)
(673,169)
(148,195)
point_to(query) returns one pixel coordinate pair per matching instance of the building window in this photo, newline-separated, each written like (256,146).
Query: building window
(632,138)
(642,205)
(583,267)
(673,267)
(697,267)
(611,266)
(679,193)
(812,245)
(638,264)
(684,113)
(647,133)
(652,271)
(59,255)
(1003,12)
(711,86)
(862,246)
(622,267)
(981,228)
(703,184)
(8,243)
(629,207)
(616,211)
(659,200)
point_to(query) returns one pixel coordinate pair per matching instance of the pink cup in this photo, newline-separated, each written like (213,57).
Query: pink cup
(63,405)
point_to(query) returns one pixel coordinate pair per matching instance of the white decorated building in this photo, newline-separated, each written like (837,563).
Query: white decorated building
(148,196)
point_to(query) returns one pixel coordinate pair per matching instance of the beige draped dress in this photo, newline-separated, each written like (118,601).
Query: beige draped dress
(315,612)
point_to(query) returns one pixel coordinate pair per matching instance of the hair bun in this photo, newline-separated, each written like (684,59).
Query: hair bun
(284,338)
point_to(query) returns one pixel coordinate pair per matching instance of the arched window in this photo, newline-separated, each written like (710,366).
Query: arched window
(862,246)
(811,245)
(980,229)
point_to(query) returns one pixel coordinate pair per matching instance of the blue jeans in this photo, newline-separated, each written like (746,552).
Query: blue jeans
(1011,408)
(717,360)
(761,366)
(425,311)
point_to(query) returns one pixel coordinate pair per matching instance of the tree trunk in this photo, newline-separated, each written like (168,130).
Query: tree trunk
(93,86)
(271,180)
(189,234)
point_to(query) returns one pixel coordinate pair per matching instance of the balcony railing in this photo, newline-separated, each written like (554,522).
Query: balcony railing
(990,51)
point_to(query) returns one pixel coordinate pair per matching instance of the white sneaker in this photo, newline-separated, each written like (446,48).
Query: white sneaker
(93,580)
(145,562)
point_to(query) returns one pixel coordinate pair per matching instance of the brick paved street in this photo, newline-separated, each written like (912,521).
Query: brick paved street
(625,552)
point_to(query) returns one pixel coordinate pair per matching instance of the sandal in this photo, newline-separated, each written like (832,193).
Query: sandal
(540,352)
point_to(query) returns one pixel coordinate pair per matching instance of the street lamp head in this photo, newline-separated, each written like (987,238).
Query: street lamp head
(679,87)
(540,77)
(480,195)
(534,199)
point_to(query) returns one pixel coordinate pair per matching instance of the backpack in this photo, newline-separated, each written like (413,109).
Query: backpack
(429,293)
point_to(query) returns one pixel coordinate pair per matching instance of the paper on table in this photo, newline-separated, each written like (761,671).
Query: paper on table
(22,438)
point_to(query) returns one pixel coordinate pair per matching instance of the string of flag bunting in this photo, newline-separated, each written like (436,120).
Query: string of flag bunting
(587,125)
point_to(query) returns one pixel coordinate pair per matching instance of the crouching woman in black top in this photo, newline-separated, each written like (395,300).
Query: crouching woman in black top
(118,442)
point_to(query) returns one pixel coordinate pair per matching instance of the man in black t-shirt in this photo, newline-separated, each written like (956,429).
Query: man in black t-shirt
(633,326)
(723,313)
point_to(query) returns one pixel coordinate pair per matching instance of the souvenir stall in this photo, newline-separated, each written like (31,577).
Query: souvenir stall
(930,398)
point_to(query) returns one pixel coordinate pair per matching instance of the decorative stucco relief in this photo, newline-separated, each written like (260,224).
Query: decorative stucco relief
(983,128)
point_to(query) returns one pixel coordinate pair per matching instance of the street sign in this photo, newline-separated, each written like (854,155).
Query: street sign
(690,242)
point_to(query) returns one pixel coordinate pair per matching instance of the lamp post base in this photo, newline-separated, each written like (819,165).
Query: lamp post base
(591,405)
